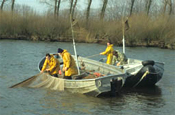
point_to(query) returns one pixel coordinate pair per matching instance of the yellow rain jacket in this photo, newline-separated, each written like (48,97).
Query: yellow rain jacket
(69,63)
(109,52)
(53,65)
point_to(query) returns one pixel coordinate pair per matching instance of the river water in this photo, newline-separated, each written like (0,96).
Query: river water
(19,60)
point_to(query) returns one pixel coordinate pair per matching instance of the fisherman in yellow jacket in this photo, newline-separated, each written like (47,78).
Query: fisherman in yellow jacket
(51,65)
(109,52)
(69,66)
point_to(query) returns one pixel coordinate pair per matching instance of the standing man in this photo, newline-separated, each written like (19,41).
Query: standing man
(51,65)
(69,66)
(109,52)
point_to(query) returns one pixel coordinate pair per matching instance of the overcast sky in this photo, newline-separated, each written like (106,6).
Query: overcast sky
(36,5)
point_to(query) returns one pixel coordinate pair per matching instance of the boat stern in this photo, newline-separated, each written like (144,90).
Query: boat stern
(110,84)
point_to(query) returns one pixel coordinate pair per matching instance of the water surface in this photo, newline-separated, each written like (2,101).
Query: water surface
(19,60)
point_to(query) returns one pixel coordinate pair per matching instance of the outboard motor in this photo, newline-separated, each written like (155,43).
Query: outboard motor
(116,85)
(147,66)
(148,62)
(144,77)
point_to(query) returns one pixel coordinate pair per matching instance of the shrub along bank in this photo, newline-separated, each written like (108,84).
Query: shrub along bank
(143,30)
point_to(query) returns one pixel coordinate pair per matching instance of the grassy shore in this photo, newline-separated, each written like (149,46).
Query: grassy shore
(144,30)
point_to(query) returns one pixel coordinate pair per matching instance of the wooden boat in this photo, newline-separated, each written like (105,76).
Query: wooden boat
(96,79)
(142,73)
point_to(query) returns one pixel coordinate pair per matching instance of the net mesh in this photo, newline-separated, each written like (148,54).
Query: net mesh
(42,80)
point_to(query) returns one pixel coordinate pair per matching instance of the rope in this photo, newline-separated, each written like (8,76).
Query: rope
(92,55)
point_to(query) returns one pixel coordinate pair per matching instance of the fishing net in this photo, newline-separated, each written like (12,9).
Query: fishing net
(42,80)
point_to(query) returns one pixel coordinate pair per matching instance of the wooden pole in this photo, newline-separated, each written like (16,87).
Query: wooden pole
(74,44)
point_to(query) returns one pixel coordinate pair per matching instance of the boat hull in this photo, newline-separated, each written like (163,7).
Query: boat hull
(94,87)
(141,73)
(111,83)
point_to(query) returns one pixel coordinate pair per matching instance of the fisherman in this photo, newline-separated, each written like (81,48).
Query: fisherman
(119,58)
(69,66)
(51,65)
(109,52)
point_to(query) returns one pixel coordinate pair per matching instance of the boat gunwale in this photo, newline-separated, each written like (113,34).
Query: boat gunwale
(103,65)
(92,79)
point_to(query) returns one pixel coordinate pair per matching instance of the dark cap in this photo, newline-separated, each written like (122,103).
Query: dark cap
(47,54)
(60,50)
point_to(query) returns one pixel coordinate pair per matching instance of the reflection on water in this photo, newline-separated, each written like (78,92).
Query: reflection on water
(155,90)
(68,103)
(19,60)
(142,101)
(151,96)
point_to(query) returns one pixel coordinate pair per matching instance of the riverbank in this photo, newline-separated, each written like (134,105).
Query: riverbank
(143,31)
(159,44)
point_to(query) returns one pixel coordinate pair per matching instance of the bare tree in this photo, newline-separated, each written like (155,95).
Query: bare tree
(169,4)
(73,9)
(170,7)
(58,7)
(147,6)
(2,4)
(55,9)
(54,4)
(105,2)
(12,6)
(88,11)
(132,5)
(71,5)
(165,6)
